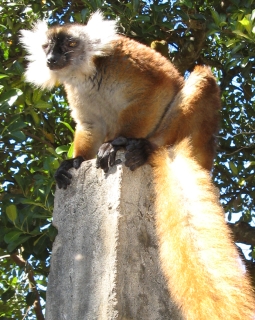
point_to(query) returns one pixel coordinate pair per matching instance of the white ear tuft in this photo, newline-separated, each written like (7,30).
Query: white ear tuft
(101,32)
(33,39)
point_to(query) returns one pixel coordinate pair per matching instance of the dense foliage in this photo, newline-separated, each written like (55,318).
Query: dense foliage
(36,130)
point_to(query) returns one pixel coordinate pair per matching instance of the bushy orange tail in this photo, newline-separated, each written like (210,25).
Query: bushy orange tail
(199,259)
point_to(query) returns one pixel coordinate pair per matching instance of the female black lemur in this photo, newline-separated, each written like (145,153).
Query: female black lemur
(124,94)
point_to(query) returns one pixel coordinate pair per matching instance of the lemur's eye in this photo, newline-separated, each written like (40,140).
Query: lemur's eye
(45,46)
(72,44)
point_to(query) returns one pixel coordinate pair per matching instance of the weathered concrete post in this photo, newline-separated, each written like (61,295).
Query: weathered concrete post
(105,262)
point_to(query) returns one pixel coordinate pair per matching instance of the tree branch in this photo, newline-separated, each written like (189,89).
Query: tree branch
(231,150)
(28,134)
(22,263)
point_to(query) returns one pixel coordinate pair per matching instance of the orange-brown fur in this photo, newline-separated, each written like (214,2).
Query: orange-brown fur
(83,148)
(198,255)
(127,89)
(195,114)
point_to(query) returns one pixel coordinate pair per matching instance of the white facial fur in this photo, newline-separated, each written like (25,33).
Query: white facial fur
(95,38)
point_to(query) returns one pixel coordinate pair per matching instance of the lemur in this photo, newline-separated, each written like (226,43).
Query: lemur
(125,94)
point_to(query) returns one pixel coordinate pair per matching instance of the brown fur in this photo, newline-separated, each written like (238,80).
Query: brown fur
(194,113)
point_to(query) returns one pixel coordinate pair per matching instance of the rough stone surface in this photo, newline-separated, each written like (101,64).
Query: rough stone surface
(105,262)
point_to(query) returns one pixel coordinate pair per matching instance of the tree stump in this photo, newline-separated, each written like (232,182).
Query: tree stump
(105,261)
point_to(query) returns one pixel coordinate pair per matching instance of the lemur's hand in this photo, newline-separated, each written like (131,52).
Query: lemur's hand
(106,156)
(63,176)
(137,152)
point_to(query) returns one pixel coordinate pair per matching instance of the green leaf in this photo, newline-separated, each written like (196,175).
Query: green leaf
(242,35)
(13,245)
(36,95)
(165,24)
(11,212)
(19,136)
(4,106)
(16,125)
(250,163)
(12,236)
(161,7)
(3,76)
(230,43)
(231,64)
(247,24)
(54,165)
(216,17)
(9,94)
(143,18)
(42,105)
(62,149)
(52,151)
(8,294)
(35,117)
(70,151)
(233,168)
(16,68)
(28,201)
(40,244)
(136,4)
(245,61)
(245,21)
(20,181)
(253,15)
(36,231)
(14,281)
(84,14)
(68,126)
(239,46)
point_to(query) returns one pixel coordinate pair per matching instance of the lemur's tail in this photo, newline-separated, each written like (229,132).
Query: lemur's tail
(199,259)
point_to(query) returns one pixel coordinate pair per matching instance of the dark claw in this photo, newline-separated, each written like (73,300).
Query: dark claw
(62,176)
(103,155)
(107,153)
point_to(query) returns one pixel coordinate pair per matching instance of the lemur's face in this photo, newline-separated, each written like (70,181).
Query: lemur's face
(60,49)
(65,46)
(66,52)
